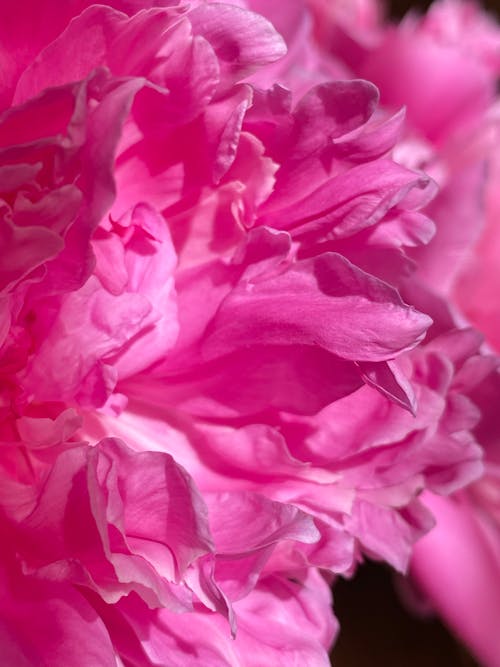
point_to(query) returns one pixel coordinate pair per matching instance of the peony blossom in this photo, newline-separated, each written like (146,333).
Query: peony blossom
(465,590)
(448,61)
(216,392)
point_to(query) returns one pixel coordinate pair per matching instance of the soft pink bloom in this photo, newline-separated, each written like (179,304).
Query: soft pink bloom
(457,566)
(444,68)
(212,379)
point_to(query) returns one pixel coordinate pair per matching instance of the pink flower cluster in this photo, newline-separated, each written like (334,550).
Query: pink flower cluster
(235,347)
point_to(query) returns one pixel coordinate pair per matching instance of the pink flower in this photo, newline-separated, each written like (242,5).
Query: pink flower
(456,567)
(448,62)
(464,589)
(209,367)
(442,67)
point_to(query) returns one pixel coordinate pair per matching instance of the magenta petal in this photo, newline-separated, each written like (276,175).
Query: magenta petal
(87,523)
(326,302)
(457,566)
(279,623)
(241,39)
(41,624)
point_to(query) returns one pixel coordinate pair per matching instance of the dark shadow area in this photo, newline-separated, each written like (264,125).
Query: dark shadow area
(377,631)
(398,8)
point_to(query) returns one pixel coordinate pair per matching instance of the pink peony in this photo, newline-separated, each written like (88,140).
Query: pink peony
(456,567)
(465,590)
(215,392)
(448,61)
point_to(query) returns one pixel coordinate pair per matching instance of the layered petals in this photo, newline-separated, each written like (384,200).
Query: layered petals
(225,377)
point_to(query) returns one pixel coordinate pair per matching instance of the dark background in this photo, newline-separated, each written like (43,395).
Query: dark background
(399,8)
(376,630)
